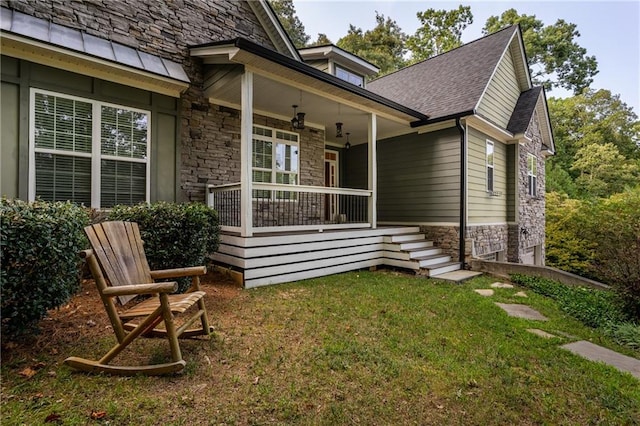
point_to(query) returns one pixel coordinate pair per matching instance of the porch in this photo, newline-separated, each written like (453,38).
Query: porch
(274,258)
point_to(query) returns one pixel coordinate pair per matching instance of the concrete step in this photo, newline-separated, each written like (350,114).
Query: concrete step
(442,268)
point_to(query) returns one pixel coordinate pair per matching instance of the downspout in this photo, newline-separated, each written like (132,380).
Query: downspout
(463,189)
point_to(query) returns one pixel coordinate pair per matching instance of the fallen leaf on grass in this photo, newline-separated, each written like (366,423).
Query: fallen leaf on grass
(53,417)
(28,372)
(98,415)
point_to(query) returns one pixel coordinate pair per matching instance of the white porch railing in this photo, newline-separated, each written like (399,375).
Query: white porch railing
(281,207)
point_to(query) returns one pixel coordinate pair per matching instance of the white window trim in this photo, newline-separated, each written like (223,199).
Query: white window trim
(532,184)
(492,165)
(274,141)
(349,73)
(96,151)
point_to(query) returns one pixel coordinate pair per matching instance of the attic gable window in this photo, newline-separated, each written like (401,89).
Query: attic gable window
(87,152)
(490,166)
(532,174)
(349,76)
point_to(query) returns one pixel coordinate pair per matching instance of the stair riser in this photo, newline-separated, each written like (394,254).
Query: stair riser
(416,245)
(406,237)
(425,252)
(436,261)
(438,271)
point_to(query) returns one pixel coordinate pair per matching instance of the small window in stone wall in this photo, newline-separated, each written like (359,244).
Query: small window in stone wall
(532,174)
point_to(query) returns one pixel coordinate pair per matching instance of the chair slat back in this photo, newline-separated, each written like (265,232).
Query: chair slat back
(119,250)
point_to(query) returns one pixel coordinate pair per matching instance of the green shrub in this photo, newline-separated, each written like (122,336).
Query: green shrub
(174,235)
(40,267)
(594,308)
(625,334)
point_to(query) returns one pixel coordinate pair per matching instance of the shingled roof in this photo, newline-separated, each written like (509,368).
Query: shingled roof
(522,113)
(450,83)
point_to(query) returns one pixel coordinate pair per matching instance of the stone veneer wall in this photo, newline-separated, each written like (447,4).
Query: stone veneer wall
(530,229)
(448,239)
(488,239)
(166,28)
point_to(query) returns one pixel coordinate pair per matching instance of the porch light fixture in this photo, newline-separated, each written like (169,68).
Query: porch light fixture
(348,144)
(297,122)
(338,130)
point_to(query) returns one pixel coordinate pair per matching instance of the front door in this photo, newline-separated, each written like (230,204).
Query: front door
(331,181)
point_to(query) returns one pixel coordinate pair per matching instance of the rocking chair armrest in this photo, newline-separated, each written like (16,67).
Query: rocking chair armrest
(126,290)
(179,272)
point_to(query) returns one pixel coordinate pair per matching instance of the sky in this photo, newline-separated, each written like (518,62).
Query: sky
(609,30)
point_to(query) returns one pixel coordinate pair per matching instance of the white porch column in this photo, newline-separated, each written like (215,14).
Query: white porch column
(373,169)
(246,132)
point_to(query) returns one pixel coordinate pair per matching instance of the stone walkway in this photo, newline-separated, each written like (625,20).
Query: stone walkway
(582,348)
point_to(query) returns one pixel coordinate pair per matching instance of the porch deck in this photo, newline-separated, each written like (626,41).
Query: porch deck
(279,257)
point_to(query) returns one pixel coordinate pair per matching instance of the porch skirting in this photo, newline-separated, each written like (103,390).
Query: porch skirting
(273,258)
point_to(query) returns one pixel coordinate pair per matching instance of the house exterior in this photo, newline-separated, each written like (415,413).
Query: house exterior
(312,169)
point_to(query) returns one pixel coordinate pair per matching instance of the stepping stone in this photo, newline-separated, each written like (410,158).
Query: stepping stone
(501,285)
(594,352)
(541,333)
(521,294)
(457,276)
(484,292)
(522,311)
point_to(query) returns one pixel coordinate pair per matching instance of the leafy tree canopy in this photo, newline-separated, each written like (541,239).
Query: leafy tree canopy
(552,51)
(440,31)
(382,46)
(286,13)
(597,140)
(322,40)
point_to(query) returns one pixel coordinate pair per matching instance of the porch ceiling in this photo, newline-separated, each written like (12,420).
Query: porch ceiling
(277,87)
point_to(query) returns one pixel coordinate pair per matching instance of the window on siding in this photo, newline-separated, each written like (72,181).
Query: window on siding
(276,159)
(532,174)
(349,76)
(490,149)
(88,152)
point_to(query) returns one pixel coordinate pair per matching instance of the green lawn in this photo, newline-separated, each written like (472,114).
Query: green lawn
(373,348)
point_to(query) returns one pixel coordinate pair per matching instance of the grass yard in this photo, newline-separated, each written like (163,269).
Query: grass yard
(372,348)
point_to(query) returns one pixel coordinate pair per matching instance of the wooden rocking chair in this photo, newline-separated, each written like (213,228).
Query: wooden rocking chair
(118,255)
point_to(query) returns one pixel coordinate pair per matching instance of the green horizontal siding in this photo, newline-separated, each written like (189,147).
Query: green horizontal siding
(502,94)
(419,177)
(481,207)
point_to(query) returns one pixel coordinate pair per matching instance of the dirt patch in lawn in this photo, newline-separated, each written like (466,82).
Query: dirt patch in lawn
(84,319)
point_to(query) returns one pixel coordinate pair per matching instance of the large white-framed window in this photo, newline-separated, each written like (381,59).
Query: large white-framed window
(89,152)
(351,77)
(532,174)
(275,159)
(490,165)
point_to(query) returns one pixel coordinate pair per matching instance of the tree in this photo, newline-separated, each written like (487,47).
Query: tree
(552,50)
(286,13)
(382,46)
(440,31)
(593,117)
(322,40)
(603,171)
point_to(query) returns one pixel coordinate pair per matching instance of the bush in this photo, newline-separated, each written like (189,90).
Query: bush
(616,229)
(174,235)
(40,267)
(594,308)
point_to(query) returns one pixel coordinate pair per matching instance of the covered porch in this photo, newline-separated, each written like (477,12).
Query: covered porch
(308,179)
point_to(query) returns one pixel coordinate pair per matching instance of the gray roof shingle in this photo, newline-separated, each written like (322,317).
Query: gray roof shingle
(449,83)
(523,110)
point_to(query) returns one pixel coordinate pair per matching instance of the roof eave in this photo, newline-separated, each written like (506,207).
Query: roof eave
(301,67)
